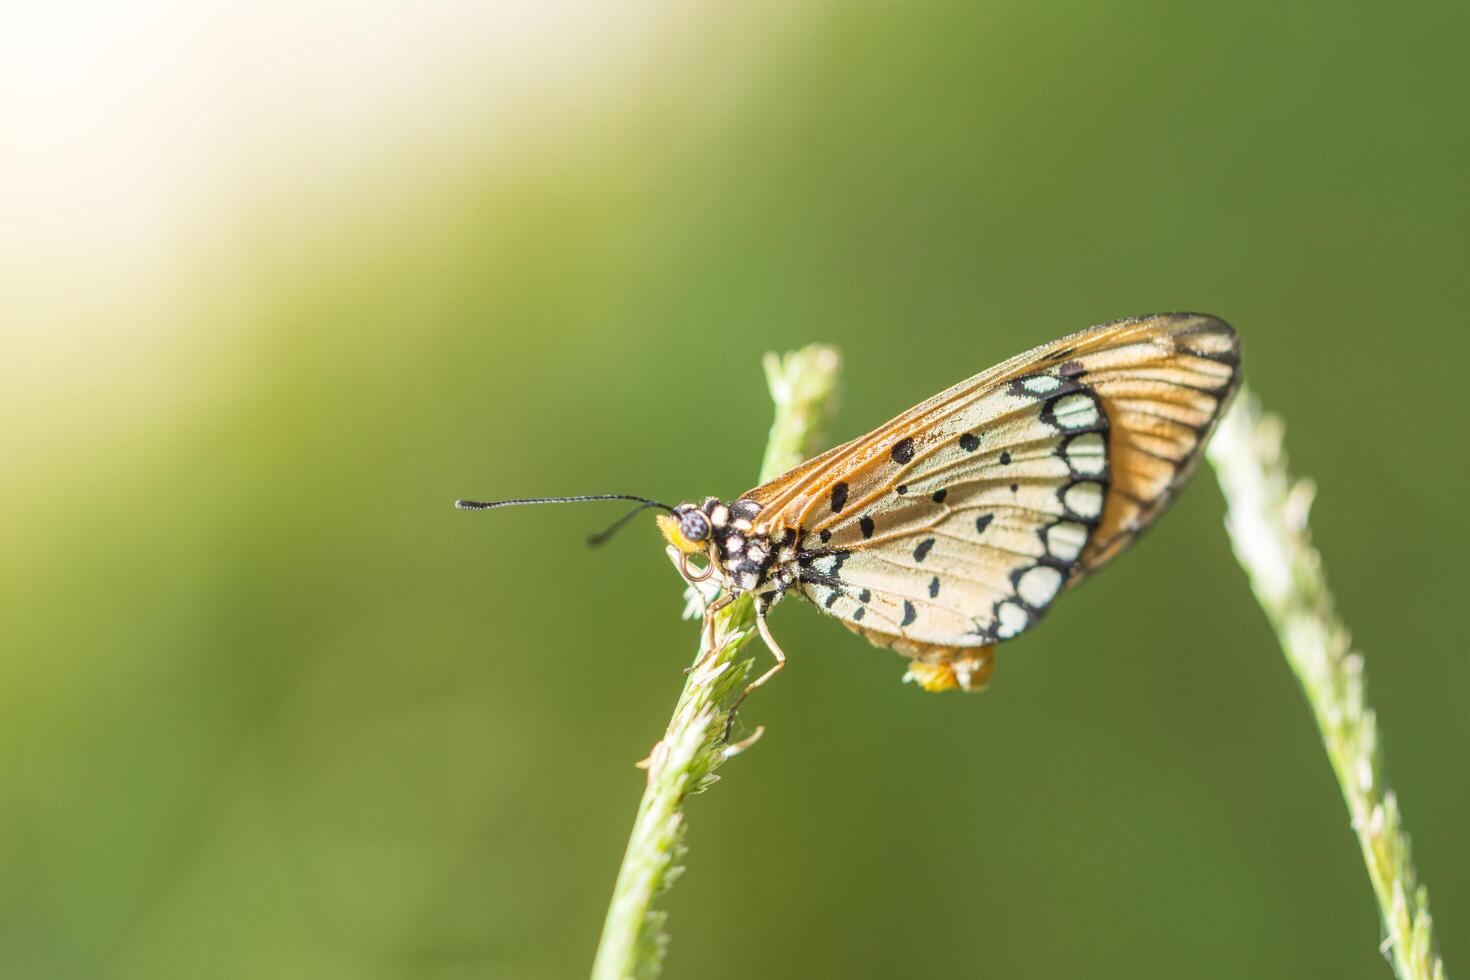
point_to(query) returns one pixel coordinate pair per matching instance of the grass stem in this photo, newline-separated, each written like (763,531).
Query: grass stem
(1267,521)
(803,386)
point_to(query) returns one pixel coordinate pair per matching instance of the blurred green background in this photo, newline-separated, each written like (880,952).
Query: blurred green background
(280,284)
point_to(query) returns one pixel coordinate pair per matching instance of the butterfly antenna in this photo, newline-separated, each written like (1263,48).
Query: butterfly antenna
(643,504)
(597,540)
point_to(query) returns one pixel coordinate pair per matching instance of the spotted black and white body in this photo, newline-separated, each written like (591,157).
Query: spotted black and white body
(957,524)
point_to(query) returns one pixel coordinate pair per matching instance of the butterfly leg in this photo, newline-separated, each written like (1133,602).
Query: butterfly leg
(781,661)
(761,605)
(724,600)
(771,644)
(707,646)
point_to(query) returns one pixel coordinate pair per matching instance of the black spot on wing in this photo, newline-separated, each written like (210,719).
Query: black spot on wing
(982,522)
(969,442)
(921,551)
(867,526)
(909,613)
(939,496)
(934,587)
(839,497)
(903,451)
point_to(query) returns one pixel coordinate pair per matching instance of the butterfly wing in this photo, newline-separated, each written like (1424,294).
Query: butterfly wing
(958,523)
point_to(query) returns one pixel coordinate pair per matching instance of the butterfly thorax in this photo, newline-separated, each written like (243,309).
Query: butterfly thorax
(745,553)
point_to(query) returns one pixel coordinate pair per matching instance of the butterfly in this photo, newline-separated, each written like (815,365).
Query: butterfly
(956,525)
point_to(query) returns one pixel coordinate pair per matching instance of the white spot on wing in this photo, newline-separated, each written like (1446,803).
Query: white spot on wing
(1087,454)
(1038,586)
(1075,411)
(1041,384)
(1066,540)
(1012,619)
(1084,499)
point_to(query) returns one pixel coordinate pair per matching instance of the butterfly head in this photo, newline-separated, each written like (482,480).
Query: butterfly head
(739,553)
(688,528)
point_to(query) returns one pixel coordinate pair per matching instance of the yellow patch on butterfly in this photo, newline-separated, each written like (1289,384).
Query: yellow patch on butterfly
(963,670)
(957,524)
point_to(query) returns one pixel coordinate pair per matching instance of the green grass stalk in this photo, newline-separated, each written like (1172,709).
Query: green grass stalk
(803,386)
(1267,521)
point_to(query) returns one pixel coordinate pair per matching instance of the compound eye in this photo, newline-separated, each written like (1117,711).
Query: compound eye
(694,525)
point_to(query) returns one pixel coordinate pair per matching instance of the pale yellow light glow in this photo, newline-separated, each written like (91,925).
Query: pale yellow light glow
(135,135)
